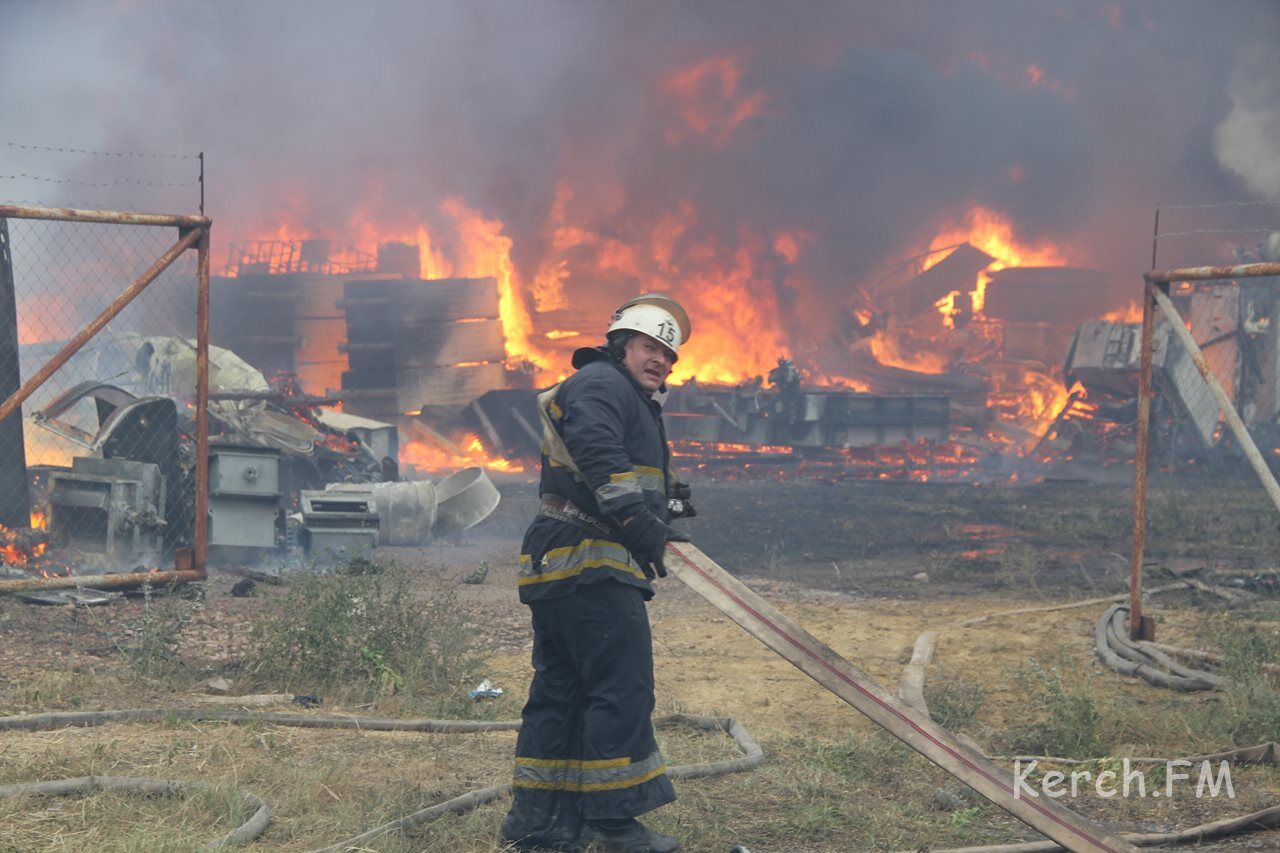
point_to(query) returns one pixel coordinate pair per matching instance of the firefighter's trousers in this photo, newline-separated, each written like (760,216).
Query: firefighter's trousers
(586,749)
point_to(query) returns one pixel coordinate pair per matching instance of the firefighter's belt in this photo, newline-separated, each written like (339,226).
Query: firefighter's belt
(563,509)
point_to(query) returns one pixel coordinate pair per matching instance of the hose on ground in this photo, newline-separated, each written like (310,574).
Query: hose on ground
(752,756)
(1117,651)
(1114,647)
(1264,819)
(243,834)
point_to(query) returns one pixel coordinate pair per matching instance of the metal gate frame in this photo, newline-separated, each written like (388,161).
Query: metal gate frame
(1156,297)
(193,233)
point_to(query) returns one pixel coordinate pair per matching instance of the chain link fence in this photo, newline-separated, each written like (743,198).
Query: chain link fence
(102,456)
(1209,422)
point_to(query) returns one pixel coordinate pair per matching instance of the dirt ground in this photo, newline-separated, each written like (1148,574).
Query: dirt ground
(843,559)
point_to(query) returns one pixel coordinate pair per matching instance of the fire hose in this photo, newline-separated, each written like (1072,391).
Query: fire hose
(911,689)
(918,731)
(752,756)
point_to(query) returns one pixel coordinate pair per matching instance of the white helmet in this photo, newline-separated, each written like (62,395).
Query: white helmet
(656,315)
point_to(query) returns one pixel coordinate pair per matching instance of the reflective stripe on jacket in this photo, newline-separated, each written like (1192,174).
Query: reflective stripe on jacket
(604,449)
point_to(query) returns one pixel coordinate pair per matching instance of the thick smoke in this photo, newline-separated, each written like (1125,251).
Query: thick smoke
(1247,142)
(861,128)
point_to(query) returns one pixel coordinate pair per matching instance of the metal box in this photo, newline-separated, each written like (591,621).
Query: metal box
(112,508)
(244,497)
(339,509)
(336,544)
(338,525)
(236,470)
(241,524)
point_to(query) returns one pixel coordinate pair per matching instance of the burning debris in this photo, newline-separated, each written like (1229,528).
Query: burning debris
(945,368)
(1232,323)
(952,363)
(113,479)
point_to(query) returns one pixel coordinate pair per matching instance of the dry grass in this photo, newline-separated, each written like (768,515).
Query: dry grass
(831,782)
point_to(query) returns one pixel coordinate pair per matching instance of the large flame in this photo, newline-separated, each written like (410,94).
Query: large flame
(433,458)
(486,251)
(888,351)
(994,234)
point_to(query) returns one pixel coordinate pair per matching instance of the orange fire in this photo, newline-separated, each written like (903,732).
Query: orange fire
(887,350)
(1130,313)
(993,233)
(738,331)
(729,288)
(948,308)
(430,458)
(1045,397)
(19,548)
(709,102)
(486,251)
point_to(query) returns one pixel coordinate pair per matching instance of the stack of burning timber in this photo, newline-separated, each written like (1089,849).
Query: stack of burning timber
(411,341)
(369,327)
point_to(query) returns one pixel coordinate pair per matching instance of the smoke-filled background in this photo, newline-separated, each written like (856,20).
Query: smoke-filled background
(763,160)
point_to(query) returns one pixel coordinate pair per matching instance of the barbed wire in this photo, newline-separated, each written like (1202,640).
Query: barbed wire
(156,155)
(1219,231)
(115,183)
(74,205)
(1218,204)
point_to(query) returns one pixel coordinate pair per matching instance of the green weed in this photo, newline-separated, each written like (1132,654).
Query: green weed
(371,628)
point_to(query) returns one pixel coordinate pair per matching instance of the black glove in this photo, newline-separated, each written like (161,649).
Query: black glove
(646,537)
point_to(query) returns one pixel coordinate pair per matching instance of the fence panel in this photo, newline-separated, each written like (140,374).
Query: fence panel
(1214,426)
(98,466)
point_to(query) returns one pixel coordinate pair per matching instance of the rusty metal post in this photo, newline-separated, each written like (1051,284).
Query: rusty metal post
(1213,273)
(202,403)
(107,581)
(82,337)
(107,217)
(1141,628)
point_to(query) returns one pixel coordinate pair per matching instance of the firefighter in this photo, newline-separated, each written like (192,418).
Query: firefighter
(587,764)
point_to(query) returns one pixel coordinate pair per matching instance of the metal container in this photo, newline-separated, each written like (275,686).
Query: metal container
(406,511)
(338,525)
(464,500)
(335,545)
(244,471)
(244,498)
(113,508)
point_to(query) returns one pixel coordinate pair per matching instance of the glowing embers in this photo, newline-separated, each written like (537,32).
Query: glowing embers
(25,547)
(920,461)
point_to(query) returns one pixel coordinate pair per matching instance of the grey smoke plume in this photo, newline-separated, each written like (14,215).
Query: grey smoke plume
(1247,142)
(861,126)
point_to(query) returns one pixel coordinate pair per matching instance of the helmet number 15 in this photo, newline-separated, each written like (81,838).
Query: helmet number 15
(666,332)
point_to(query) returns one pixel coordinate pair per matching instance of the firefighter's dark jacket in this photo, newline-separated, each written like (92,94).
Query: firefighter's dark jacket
(612,429)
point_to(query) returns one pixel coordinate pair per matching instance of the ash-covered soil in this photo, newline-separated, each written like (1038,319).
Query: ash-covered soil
(876,538)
